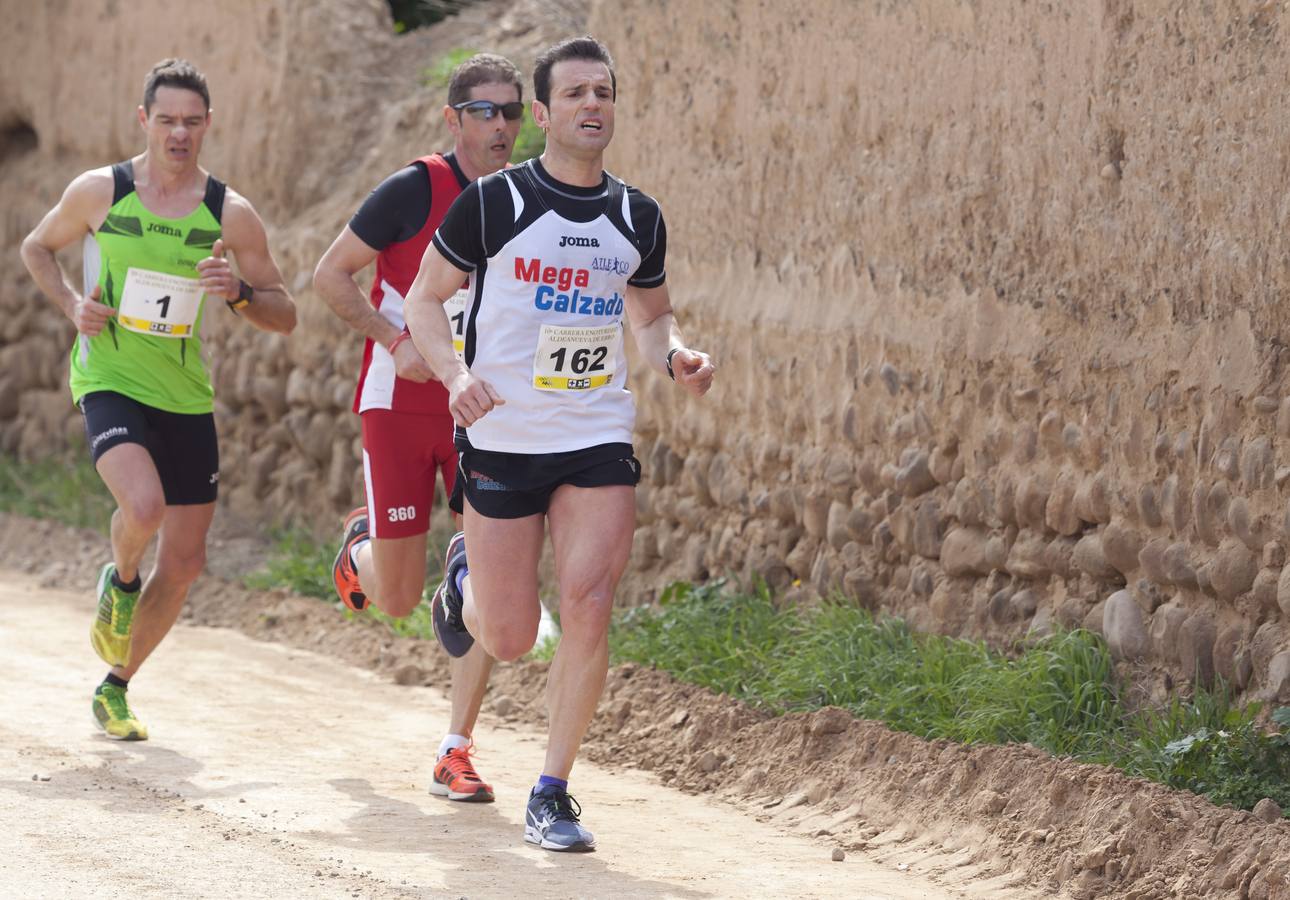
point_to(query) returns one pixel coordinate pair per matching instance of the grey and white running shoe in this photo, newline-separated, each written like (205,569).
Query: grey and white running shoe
(551,822)
(445,605)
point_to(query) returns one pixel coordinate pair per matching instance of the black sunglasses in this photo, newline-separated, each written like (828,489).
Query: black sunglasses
(487,109)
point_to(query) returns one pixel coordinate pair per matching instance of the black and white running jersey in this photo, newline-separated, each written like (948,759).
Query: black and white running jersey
(549,267)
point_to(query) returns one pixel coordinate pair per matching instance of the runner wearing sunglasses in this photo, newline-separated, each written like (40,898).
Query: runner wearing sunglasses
(406,426)
(559,255)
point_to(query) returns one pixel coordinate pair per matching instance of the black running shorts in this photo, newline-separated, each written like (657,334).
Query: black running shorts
(183,447)
(515,485)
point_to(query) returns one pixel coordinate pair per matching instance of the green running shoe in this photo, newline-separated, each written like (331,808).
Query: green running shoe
(110,633)
(112,714)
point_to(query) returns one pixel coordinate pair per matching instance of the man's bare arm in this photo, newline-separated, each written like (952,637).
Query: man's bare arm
(654,326)
(436,281)
(80,210)
(469,397)
(271,307)
(334,281)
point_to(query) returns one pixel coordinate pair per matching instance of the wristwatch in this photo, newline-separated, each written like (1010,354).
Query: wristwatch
(245,294)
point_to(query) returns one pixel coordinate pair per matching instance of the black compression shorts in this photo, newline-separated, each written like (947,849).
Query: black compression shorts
(183,447)
(515,485)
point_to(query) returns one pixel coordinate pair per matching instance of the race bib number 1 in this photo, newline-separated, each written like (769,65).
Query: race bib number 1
(159,304)
(455,307)
(576,359)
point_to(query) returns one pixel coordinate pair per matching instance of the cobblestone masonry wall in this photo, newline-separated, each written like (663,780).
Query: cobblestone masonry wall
(997,291)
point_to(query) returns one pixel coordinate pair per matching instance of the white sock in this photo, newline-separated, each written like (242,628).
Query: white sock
(452,742)
(353,551)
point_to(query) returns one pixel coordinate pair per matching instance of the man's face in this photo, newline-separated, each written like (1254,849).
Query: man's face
(175,126)
(486,143)
(580,115)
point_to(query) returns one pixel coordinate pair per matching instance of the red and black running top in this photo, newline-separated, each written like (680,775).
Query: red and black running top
(398,219)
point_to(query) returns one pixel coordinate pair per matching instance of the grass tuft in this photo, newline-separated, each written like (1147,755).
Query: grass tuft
(67,491)
(300,562)
(440,73)
(1059,695)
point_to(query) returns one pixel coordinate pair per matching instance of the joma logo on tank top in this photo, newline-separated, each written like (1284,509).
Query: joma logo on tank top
(164,229)
(553,283)
(567,240)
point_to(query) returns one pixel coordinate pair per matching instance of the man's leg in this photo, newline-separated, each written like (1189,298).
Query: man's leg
(401,455)
(181,555)
(501,608)
(454,773)
(131,476)
(392,572)
(469,684)
(470,673)
(591,535)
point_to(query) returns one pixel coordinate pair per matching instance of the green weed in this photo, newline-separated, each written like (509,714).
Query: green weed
(410,15)
(438,75)
(1059,695)
(530,142)
(298,562)
(67,491)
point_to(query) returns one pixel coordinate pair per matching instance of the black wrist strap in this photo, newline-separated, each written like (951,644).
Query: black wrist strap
(668,362)
(245,294)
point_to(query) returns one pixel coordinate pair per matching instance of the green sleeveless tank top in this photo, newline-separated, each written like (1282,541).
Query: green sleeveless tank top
(146,266)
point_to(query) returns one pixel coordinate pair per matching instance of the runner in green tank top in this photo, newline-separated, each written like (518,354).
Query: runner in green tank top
(154,230)
(151,350)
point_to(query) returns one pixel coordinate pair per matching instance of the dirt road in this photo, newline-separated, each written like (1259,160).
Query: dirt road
(278,772)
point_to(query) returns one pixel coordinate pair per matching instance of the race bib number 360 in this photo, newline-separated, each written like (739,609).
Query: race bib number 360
(159,304)
(576,359)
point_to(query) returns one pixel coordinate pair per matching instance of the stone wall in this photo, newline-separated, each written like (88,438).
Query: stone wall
(993,288)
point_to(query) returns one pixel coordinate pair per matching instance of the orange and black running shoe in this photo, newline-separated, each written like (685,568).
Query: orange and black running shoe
(343,573)
(455,778)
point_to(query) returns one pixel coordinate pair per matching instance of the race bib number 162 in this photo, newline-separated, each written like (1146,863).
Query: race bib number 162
(576,359)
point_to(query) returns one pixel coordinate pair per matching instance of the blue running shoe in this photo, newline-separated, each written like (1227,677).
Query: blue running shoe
(551,822)
(445,605)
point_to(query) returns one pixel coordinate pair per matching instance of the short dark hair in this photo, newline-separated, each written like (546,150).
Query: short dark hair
(178,73)
(585,47)
(482,68)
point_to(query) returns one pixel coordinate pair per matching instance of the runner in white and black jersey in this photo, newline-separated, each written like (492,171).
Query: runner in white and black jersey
(560,254)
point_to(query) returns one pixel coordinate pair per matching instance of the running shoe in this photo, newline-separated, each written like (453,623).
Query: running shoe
(112,714)
(343,573)
(551,822)
(445,605)
(455,778)
(110,632)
